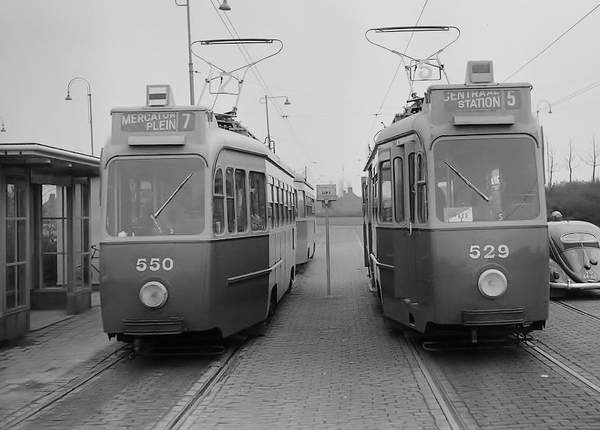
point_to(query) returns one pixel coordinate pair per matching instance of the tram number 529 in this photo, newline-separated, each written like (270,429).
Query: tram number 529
(154,264)
(488,251)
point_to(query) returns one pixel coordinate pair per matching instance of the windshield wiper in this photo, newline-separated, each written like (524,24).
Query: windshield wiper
(466,181)
(160,209)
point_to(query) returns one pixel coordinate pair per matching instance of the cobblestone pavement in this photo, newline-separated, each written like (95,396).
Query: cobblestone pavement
(50,358)
(324,362)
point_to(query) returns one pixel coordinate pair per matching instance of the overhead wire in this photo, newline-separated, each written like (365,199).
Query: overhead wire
(261,81)
(553,42)
(397,69)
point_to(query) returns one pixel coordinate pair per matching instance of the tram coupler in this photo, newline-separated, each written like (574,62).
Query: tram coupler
(473,335)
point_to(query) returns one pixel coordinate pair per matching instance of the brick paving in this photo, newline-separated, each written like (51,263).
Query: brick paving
(49,358)
(324,363)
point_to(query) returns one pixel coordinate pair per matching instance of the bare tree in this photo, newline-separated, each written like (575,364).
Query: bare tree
(570,160)
(592,157)
(551,160)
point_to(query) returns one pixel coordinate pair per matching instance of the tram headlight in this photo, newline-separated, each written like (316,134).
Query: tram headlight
(153,294)
(492,283)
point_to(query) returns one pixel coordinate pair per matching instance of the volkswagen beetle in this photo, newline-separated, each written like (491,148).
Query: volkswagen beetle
(574,256)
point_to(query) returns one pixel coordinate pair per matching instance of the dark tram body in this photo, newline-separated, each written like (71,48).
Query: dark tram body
(454,207)
(306,222)
(198,223)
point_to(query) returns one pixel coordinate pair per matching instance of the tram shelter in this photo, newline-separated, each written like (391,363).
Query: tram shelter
(45,233)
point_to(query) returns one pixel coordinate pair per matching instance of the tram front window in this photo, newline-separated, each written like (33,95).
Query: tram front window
(486,179)
(150,197)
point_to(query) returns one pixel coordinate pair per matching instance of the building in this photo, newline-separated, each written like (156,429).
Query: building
(346,205)
(45,232)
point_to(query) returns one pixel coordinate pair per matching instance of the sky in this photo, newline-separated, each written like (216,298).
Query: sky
(342,89)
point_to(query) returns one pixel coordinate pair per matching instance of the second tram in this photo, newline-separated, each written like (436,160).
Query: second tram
(198,220)
(455,220)
(306,223)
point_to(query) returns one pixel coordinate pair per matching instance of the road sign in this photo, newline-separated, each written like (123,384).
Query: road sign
(326,193)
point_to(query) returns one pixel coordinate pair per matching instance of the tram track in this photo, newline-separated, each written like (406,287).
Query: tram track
(39,405)
(449,409)
(546,353)
(577,310)
(203,387)
(545,357)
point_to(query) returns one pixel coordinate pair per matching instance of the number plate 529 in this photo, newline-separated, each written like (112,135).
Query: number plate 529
(154,264)
(488,251)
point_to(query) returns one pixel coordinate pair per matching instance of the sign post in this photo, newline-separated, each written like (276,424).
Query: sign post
(326,193)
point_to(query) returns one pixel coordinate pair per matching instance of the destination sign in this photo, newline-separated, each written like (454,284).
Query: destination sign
(149,122)
(481,100)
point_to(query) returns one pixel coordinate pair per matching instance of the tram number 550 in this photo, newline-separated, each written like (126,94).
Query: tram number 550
(488,251)
(154,264)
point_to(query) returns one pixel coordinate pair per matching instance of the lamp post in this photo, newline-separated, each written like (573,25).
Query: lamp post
(537,114)
(266,98)
(224,7)
(89,93)
(3,130)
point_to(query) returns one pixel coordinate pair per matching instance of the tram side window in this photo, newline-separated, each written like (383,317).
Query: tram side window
(310,206)
(421,189)
(399,189)
(218,204)
(241,207)
(230,196)
(411,185)
(385,203)
(271,199)
(301,204)
(257,201)
(374,195)
(279,205)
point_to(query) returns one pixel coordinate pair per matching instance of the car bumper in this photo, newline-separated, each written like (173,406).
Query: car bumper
(575,285)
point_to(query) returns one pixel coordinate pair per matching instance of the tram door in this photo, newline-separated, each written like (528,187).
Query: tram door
(406,245)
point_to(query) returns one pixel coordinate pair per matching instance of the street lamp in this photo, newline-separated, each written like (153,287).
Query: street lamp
(537,112)
(3,130)
(265,99)
(89,93)
(225,7)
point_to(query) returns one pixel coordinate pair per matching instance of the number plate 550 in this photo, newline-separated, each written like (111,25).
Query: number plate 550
(154,264)
(488,251)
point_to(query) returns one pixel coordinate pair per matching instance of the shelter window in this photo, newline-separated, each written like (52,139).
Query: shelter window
(16,242)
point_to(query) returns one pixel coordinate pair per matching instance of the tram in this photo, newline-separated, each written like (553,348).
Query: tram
(306,223)
(455,221)
(198,222)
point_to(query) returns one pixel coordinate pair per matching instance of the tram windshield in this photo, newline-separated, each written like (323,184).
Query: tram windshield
(486,179)
(158,196)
